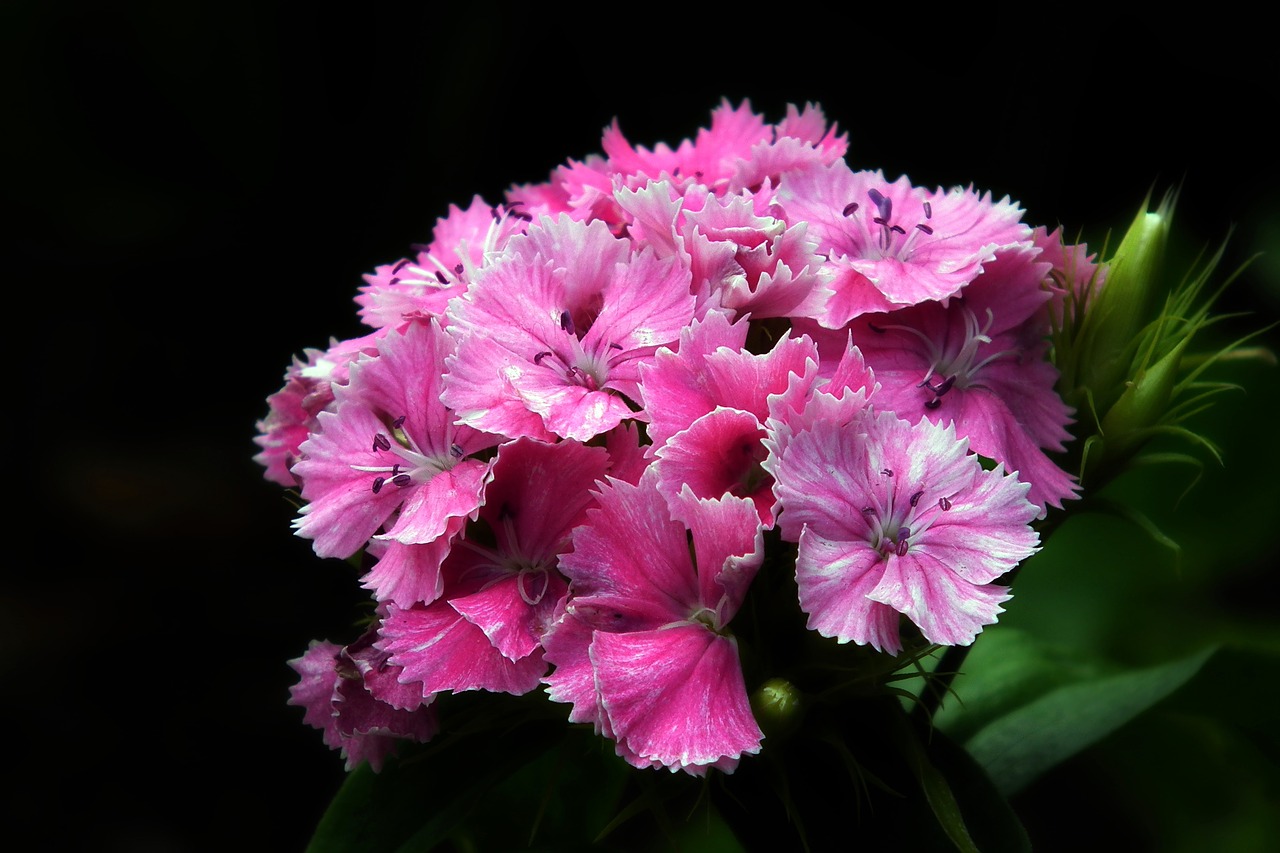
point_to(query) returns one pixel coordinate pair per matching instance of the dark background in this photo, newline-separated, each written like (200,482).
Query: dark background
(198,188)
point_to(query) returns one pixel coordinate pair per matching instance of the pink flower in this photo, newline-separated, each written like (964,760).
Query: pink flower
(643,648)
(893,518)
(333,692)
(981,363)
(891,244)
(502,583)
(420,287)
(551,337)
(293,410)
(390,449)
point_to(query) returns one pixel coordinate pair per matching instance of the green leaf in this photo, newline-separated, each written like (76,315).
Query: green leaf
(1016,748)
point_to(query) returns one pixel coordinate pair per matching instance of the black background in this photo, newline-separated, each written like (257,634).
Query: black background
(198,188)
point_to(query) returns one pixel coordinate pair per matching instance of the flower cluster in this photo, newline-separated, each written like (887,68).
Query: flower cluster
(586,420)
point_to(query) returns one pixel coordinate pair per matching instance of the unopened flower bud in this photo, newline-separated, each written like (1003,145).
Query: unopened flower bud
(1129,301)
(777,706)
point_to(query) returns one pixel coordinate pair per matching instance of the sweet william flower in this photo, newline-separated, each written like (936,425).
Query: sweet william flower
(893,518)
(551,337)
(391,449)
(890,244)
(643,648)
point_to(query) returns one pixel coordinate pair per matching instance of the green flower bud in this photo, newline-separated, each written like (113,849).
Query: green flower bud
(778,707)
(1129,300)
(1146,399)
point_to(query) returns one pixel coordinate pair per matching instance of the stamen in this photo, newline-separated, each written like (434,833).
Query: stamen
(566,322)
(944,504)
(381,442)
(456,450)
(440,277)
(920,226)
(400,264)
(402,480)
(537,359)
(457,269)
(901,550)
(898,228)
(933,404)
(904,533)
(377,484)
(883,205)
(850,209)
(928,212)
(399,422)
(888,472)
(915,499)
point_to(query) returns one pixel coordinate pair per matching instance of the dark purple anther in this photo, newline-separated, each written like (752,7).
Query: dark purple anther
(898,228)
(928,210)
(395,279)
(440,277)
(888,472)
(904,533)
(399,422)
(457,269)
(615,346)
(868,510)
(920,226)
(901,550)
(537,359)
(944,503)
(456,450)
(915,499)
(945,386)
(377,484)
(566,321)
(497,216)
(850,209)
(932,404)
(402,480)
(395,469)
(883,205)
(400,264)
(381,442)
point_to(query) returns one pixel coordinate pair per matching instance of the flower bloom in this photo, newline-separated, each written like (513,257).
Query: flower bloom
(643,648)
(893,518)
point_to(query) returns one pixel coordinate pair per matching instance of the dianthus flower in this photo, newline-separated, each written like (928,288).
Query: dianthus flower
(981,363)
(893,518)
(391,448)
(890,244)
(643,649)
(551,336)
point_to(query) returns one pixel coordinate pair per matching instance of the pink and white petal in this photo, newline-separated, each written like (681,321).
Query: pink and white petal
(676,695)
(514,611)
(728,545)
(986,531)
(571,411)
(438,646)
(525,473)
(432,508)
(835,579)
(948,610)
(314,691)
(410,574)
(380,678)
(718,454)
(482,389)
(567,647)
(630,566)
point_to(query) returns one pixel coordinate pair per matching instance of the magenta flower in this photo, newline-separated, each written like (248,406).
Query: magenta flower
(333,689)
(390,449)
(502,583)
(293,410)
(890,244)
(551,337)
(643,649)
(420,287)
(894,519)
(981,363)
